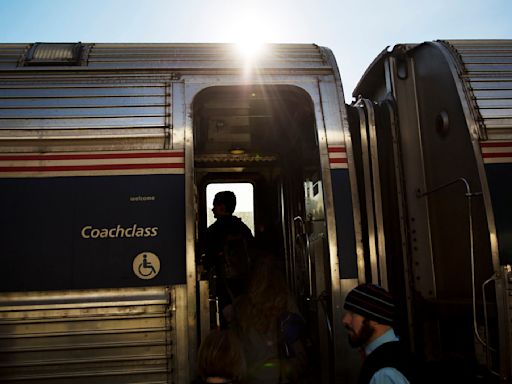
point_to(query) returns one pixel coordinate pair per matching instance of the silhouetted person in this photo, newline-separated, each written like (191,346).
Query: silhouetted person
(368,320)
(227,251)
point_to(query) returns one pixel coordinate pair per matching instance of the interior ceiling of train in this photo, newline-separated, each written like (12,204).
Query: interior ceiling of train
(256,124)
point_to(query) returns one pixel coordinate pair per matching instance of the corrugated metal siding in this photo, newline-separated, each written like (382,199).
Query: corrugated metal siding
(10,54)
(108,336)
(53,115)
(201,56)
(487,74)
(180,57)
(121,98)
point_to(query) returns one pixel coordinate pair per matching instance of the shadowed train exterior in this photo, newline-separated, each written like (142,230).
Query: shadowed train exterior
(106,151)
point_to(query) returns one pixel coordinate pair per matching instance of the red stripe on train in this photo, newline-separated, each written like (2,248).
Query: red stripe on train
(100,167)
(497,154)
(337,149)
(93,156)
(336,161)
(497,144)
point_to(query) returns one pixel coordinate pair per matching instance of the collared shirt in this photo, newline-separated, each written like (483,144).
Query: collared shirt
(386,375)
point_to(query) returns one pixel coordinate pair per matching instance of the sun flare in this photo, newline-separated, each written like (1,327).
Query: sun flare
(249,48)
(250,35)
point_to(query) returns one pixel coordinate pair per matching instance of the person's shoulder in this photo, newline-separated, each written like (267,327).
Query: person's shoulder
(387,363)
(388,375)
(222,222)
(213,227)
(237,220)
(239,223)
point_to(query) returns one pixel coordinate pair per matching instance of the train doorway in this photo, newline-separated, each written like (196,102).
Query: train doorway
(266,136)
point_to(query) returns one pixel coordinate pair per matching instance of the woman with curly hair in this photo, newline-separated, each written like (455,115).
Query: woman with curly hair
(270,328)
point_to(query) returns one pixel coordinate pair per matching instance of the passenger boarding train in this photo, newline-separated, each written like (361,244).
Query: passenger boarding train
(107,151)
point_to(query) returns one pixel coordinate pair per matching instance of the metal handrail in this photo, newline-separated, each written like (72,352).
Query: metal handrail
(321,298)
(469,195)
(300,220)
(488,349)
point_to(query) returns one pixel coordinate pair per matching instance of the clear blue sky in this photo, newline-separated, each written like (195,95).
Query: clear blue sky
(355,31)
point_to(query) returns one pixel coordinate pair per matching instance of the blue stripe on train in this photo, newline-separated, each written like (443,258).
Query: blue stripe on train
(84,232)
(499,178)
(344,223)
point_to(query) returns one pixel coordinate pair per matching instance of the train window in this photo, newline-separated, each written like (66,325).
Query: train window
(244,201)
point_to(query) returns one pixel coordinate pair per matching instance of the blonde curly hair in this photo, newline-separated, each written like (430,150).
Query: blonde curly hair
(221,355)
(266,299)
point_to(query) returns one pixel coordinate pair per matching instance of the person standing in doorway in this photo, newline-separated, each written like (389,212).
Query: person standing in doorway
(369,317)
(228,241)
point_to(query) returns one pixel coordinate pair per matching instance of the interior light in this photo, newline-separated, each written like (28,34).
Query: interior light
(236,151)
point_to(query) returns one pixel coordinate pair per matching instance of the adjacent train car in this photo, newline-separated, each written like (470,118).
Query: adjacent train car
(106,151)
(433,126)
(107,154)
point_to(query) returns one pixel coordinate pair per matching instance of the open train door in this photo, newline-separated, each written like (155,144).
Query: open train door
(267,136)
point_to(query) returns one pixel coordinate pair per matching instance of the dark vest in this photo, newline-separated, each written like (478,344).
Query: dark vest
(388,355)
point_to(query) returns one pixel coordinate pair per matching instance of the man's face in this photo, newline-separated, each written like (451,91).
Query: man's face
(359,329)
(219,210)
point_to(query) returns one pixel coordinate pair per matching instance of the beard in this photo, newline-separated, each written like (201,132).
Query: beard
(361,338)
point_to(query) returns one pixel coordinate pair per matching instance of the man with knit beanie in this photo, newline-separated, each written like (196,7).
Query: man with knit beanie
(370,312)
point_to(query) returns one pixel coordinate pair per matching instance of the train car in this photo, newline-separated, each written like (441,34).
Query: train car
(106,154)
(109,154)
(433,127)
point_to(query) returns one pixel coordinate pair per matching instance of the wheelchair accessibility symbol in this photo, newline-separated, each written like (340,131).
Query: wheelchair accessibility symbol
(146,265)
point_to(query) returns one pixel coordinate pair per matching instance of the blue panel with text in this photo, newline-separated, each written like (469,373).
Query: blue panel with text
(92,232)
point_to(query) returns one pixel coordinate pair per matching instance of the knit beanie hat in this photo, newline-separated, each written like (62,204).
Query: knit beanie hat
(372,302)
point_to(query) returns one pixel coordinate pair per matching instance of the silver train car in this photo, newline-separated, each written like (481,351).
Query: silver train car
(107,152)
(436,152)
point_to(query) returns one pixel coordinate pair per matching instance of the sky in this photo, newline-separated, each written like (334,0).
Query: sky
(355,31)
